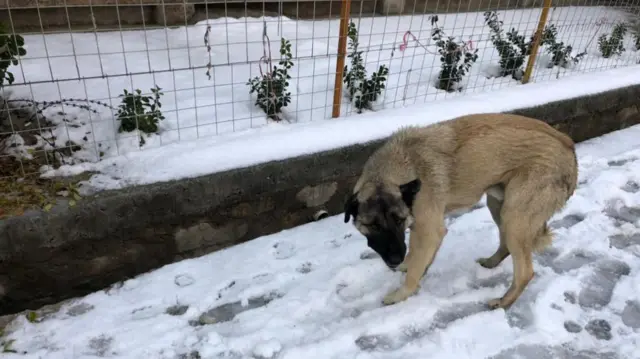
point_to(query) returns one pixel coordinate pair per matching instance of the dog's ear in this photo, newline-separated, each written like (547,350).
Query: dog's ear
(409,191)
(350,207)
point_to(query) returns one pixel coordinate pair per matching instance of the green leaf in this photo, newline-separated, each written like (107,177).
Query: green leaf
(32,317)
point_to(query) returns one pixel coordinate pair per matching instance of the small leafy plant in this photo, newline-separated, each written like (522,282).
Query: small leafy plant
(455,60)
(11,47)
(7,346)
(32,317)
(512,47)
(138,112)
(614,44)
(560,53)
(271,87)
(362,91)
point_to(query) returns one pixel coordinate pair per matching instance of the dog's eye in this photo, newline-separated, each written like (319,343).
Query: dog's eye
(397,219)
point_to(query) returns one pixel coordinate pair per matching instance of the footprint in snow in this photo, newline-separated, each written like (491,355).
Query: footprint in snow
(631,187)
(284,250)
(79,309)
(226,288)
(631,314)
(183,280)
(573,260)
(368,255)
(194,354)
(572,327)
(623,214)
(547,256)
(537,351)
(228,311)
(598,287)
(145,313)
(567,221)
(444,317)
(622,241)
(500,279)
(177,310)
(262,278)
(440,321)
(100,345)
(570,297)
(618,163)
(375,342)
(304,268)
(599,329)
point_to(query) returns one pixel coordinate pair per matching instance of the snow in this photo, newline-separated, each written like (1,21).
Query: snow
(213,125)
(315,291)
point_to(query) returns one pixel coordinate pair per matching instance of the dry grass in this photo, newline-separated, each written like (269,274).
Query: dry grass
(22,188)
(20,192)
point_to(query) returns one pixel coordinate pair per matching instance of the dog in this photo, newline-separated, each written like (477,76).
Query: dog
(527,169)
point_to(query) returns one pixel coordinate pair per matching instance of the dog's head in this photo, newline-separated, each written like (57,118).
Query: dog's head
(382,216)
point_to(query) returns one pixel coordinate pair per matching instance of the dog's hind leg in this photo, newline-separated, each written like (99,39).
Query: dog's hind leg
(528,204)
(518,243)
(495,206)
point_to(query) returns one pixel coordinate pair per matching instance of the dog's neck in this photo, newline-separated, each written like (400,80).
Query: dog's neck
(382,167)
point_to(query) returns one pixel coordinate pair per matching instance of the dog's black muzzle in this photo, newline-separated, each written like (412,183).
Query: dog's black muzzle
(390,247)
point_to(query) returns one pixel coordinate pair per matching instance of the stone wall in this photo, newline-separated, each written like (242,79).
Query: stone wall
(50,15)
(113,236)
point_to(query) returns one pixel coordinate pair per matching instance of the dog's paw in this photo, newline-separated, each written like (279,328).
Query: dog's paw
(403,267)
(488,263)
(497,303)
(397,296)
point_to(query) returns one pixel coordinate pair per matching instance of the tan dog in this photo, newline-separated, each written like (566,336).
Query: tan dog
(527,169)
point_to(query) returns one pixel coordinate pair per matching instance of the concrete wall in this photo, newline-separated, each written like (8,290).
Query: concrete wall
(72,251)
(50,15)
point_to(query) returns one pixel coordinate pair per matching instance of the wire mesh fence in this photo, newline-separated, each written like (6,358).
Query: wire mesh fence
(86,80)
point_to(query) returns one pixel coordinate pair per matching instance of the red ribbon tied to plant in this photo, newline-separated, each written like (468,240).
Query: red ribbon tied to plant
(405,41)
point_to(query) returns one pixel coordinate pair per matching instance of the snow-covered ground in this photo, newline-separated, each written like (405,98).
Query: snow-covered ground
(315,292)
(99,66)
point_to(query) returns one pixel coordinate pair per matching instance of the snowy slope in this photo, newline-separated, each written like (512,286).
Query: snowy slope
(315,292)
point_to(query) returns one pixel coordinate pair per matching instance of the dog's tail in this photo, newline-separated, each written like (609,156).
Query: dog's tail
(544,239)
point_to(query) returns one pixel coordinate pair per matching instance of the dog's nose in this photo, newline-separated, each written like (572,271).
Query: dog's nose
(395,260)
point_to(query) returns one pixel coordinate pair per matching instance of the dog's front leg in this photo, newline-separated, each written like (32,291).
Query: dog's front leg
(405,264)
(425,240)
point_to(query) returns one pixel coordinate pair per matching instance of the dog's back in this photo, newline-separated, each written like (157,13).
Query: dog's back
(495,148)
(467,155)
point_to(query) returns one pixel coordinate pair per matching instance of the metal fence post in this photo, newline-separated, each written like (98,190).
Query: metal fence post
(345,10)
(536,41)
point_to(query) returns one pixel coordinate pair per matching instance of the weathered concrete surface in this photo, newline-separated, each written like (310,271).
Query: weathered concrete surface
(47,257)
(32,15)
